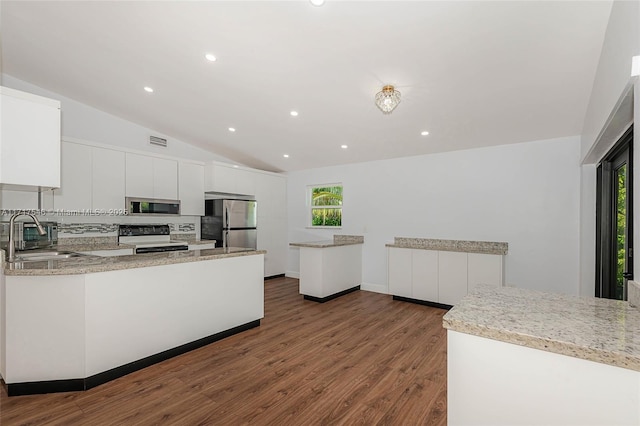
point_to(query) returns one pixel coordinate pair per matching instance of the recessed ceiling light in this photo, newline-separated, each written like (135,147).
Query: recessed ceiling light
(235,166)
(317,2)
(424,133)
(210,57)
(285,155)
(344,146)
(231,129)
(148,89)
(294,113)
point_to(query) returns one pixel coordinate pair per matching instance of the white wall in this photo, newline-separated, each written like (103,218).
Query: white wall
(81,121)
(526,194)
(621,43)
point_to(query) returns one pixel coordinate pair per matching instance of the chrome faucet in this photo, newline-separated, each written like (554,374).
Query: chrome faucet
(12,246)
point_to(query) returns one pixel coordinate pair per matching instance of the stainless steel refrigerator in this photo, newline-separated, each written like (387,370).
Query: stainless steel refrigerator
(232,223)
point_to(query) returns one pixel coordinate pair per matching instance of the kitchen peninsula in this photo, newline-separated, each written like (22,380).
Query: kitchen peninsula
(73,324)
(517,356)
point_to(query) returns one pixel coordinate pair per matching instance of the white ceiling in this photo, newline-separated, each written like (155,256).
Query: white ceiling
(471,73)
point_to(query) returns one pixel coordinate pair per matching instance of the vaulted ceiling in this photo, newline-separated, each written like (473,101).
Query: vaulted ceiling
(471,73)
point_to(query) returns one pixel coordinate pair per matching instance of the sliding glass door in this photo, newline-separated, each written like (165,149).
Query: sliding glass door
(614,223)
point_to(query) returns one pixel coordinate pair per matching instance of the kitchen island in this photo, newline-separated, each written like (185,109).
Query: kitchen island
(329,269)
(73,324)
(516,356)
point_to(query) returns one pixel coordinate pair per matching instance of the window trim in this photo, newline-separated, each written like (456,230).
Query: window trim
(311,207)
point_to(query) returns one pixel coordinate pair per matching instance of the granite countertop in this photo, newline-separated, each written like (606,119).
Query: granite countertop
(89,264)
(482,247)
(80,247)
(193,242)
(600,330)
(338,240)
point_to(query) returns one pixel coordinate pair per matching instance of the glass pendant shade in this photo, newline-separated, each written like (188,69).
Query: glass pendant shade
(387,99)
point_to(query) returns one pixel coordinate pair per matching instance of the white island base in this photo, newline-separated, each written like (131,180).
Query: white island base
(502,384)
(329,269)
(74,332)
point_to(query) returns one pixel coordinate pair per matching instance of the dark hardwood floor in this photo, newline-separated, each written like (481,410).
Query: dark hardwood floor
(358,359)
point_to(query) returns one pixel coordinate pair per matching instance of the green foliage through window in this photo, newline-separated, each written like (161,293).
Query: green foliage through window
(326,206)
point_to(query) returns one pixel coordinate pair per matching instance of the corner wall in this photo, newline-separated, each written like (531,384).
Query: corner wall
(526,194)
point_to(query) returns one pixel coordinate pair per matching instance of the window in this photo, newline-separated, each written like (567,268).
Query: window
(326,205)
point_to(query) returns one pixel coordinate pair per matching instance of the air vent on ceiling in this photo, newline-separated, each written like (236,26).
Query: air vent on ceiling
(154,140)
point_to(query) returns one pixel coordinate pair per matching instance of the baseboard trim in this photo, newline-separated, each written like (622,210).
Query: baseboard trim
(423,302)
(271,277)
(333,296)
(69,385)
(292,274)
(375,288)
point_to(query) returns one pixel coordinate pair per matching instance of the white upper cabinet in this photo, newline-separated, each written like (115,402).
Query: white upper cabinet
(151,177)
(29,141)
(75,188)
(108,173)
(231,180)
(165,179)
(191,188)
(92,178)
(139,175)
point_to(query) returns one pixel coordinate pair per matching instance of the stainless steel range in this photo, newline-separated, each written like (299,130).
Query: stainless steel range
(149,238)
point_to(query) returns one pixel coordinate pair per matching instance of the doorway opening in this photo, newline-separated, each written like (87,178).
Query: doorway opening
(614,220)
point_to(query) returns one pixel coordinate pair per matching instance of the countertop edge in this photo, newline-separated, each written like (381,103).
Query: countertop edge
(616,359)
(478,251)
(106,267)
(327,244)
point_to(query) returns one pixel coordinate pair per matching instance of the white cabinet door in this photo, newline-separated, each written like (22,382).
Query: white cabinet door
(108,179)
(224,179)
(75,188)
(29,140)
(425,275)
(139,175)
(452,277)
(484,269)
(191,188)
(151,177)
(165,179)
(245,182)
(400,270)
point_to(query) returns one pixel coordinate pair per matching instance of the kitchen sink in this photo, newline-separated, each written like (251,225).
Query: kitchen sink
(46,255)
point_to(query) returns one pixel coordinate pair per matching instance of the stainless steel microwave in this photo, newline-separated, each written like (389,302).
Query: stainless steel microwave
(27,237)
(148,206)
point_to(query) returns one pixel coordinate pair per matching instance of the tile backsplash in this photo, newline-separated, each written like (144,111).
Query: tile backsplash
(74,229)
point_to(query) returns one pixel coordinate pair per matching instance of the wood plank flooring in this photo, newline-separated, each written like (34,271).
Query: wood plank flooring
(361,359)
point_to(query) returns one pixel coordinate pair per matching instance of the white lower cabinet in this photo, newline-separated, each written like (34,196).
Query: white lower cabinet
(424,273)
(440,276)
(484,269)
(452,277)
(400,272)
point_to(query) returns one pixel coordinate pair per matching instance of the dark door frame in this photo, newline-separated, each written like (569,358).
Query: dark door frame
(606,214)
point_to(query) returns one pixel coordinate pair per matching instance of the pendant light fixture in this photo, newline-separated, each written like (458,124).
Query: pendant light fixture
(387,99)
